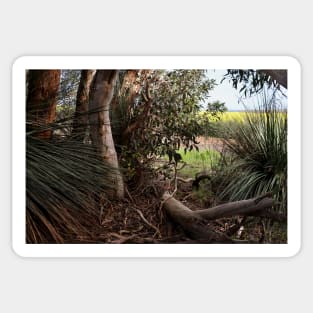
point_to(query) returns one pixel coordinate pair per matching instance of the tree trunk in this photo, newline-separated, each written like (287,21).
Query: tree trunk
(81,116)
(194,222)
(129,90)
(122,103)
(101,95)
(126,135)
(41,101)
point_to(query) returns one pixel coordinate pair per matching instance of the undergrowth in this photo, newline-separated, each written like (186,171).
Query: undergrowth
(198,161)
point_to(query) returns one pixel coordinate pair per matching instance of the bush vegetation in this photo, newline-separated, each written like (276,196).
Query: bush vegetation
(253,163)
(198,161)
(163,120)
(258,162)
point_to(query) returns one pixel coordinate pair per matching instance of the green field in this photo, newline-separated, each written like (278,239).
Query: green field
(198,161)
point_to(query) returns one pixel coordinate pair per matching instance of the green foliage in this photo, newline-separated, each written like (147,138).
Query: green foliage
(259,163)
(209,118)
(198,161)
(177,96)
(250,81)
(204,194)
(164,112)
(216,108)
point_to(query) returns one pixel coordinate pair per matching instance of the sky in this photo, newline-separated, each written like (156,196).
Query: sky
(226,93)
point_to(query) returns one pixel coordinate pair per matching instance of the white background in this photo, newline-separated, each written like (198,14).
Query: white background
(155,28)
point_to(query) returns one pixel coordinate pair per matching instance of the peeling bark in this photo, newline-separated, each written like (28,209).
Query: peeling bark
(101,95)
(129,89)
(41,101)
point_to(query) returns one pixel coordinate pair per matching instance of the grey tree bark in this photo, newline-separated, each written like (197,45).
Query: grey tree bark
(101,95)
(194,222)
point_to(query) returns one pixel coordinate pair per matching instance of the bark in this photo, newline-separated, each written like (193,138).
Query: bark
(242,207)
(80,122)
(129,89)
(148,102)
(101,94)
(41,101)
(123,102)
(136,124)
(281,76)
(194,222)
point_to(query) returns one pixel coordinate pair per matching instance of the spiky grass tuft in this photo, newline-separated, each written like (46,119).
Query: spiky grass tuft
(64,179)
(259,147)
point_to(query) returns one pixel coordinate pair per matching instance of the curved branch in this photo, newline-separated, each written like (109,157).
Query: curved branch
(242,207)
(194,222)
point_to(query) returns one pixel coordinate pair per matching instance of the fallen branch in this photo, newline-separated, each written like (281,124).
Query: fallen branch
(191,223)
(157,231)
(243,207)
(194,222)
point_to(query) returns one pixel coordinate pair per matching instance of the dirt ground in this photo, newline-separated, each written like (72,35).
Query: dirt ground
(210,143)
(139,218)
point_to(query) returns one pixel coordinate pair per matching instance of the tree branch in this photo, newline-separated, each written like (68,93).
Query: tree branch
(243,207)
(194,222)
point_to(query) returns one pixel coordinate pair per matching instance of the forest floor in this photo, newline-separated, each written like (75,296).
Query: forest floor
(140,218)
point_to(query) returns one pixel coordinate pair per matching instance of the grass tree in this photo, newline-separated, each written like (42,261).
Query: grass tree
(259,147)
(64,177)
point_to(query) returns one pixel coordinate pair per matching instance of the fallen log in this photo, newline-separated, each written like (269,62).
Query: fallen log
(194,222)
(242,207)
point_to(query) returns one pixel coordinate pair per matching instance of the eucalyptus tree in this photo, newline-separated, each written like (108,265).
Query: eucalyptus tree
(159,116)
(152,112)
(80,120)
(65,178)
(41,101)
(101,95)
(252,81)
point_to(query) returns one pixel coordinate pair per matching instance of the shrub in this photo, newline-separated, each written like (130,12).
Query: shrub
(259,156)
